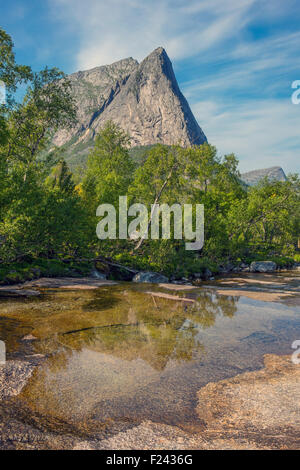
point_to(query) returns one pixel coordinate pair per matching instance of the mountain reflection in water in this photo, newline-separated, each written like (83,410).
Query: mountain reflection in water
(121,354)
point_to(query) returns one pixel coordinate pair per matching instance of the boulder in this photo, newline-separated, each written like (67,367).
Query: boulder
(148,276)
(226,269)
(98,275)
(207,274)
(245,268)
(263,267)
(197,275)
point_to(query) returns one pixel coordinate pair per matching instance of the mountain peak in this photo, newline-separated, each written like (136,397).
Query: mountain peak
(144,99)
(158,52)
(274,173)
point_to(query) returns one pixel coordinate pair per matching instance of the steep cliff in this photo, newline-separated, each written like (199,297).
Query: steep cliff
(144,99)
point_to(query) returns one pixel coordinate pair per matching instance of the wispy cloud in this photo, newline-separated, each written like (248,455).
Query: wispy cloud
(236,60)
(262,133)
(112,30)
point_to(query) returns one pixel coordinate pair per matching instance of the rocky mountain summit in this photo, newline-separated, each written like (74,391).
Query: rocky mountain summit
(275,173)
(144,99)
(93,91)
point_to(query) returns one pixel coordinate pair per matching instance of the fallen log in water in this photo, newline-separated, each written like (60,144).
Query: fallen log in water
(170,297)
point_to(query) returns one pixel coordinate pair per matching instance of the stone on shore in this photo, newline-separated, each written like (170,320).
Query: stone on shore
(95,274)
(17,292)
(263,267)
(149,276)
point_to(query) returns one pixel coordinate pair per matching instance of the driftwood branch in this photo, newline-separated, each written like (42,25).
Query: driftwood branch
(116,265)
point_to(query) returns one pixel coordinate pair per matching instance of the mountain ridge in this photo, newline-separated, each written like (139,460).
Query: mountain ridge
(143,98)
(273,173)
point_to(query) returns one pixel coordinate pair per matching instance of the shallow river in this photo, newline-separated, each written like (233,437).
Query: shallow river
(117,355)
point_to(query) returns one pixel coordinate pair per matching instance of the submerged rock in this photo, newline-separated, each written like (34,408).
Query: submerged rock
(149,276)
(29,338)
(263,267)
(13,377)
(263,406)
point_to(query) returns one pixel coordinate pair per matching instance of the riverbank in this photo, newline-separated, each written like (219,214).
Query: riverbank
(268,287)
(127,268)
(255,410)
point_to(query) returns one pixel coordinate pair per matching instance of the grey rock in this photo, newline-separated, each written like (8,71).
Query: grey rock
(93,90)
(144,99)
(13,377)
(207,274)
(148,276)
(98,275)
(244,265)
(226,269)
(262,267)
(236,269)
(275,173)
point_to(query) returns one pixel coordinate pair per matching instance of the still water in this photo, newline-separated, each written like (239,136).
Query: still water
(120,354)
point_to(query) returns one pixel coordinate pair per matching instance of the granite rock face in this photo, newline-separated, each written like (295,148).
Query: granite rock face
(13,377)
(144,99)
(275,173)
(93,91)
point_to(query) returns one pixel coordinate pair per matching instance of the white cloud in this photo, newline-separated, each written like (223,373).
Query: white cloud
(238,102)
(108,31)
(266,63)
(261,134)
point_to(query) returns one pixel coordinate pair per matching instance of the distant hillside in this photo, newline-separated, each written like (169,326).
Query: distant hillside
(275,173)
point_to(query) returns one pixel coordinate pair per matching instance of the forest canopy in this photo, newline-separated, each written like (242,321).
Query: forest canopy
(47,213)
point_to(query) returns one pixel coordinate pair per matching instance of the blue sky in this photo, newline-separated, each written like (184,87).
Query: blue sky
(235,60)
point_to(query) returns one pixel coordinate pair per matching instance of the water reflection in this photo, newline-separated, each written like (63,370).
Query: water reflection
(121,353)
(135,326)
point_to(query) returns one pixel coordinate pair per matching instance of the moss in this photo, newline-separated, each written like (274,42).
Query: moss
(21,272)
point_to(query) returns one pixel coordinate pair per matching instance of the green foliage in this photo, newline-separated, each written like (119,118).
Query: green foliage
(61,178)
(48,214)
(268,219)
(39,213)
(10,72)
(37,267)
(139,153)
(109,167)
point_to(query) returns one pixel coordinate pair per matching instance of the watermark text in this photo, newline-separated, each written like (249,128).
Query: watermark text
(164,222)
